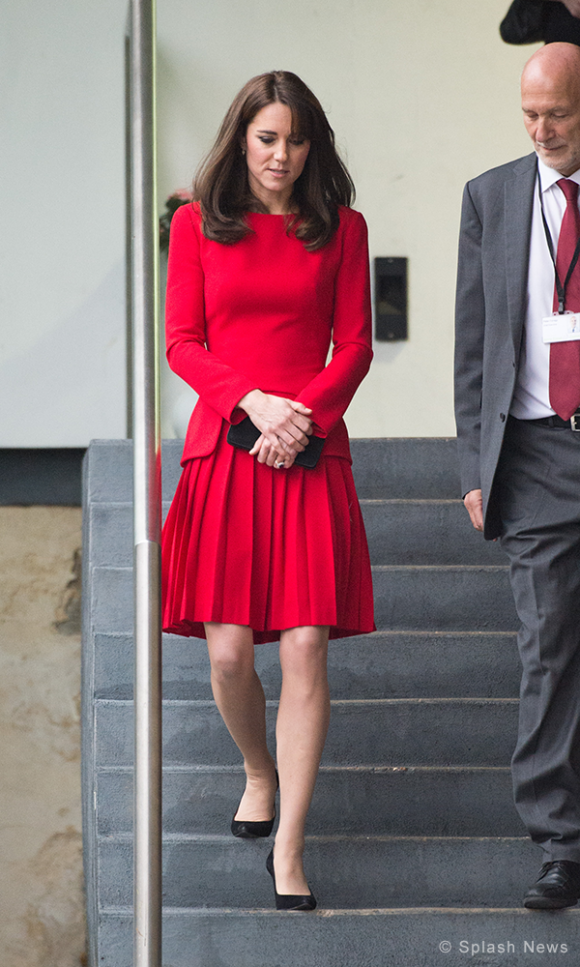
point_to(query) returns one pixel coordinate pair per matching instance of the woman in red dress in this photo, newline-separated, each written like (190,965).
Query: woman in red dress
(267,268)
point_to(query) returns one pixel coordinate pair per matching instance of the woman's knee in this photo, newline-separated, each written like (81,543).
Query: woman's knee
(304,650)
(231,652)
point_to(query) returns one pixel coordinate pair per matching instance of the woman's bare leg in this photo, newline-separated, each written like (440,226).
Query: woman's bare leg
(240,698)
(301,729)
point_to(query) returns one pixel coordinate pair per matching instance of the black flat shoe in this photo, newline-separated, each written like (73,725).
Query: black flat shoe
(287,901)
(557,886)
(249,829)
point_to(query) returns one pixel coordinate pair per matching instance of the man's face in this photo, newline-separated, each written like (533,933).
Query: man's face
(551,106)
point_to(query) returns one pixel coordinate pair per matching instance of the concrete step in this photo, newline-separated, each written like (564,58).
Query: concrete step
(425,532)
(413,469)
(385,664)
(444,598)
(394,848)
(431,937)
(398,531)
(412,598)
(343,871)
(395,732)
(397,801)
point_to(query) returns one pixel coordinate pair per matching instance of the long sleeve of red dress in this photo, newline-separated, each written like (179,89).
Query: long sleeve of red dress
(263,313)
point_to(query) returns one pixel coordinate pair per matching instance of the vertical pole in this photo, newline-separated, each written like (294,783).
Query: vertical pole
(128,231)
(146,488)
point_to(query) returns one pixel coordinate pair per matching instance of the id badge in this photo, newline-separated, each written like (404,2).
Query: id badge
(561,327)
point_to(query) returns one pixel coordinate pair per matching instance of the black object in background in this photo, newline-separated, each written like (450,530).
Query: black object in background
(390,299)
(531,21)
(561,25)
(49,477)
(525,22)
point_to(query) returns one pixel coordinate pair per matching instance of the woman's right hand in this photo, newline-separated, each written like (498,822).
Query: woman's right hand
(272,456)
(284,424)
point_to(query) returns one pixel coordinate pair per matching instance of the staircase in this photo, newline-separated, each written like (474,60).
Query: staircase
(414,851)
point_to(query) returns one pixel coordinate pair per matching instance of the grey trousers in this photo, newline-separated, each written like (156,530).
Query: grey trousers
(539,493)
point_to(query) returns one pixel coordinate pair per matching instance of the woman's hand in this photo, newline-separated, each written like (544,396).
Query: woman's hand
(285,424)
(272,456)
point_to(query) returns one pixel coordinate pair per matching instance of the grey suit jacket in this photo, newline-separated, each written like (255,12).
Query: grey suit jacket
(490,311)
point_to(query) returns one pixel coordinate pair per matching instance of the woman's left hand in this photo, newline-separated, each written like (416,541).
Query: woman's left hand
(266,453)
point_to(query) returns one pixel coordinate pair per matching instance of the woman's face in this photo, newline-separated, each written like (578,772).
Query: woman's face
(275,156)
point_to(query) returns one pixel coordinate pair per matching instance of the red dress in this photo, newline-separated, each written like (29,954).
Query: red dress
(244,543)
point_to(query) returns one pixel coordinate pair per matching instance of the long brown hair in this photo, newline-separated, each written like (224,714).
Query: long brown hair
(221,184)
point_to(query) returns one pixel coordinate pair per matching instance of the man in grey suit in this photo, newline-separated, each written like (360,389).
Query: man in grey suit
(518,429)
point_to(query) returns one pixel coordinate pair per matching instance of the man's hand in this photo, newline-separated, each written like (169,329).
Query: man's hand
(474,503)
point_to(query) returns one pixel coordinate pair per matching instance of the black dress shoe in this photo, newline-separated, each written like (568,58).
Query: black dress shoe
(289,901)
(248,829)
(557,886)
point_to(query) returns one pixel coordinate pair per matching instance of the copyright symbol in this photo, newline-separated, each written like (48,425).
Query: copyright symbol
(445,947)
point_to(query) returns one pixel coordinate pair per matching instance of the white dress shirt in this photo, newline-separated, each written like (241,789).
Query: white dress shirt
(531,397)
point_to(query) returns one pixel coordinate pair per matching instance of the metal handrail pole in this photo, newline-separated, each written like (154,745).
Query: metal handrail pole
(147,898)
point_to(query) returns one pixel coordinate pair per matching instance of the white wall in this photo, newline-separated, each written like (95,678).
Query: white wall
(62,290)
(422,95)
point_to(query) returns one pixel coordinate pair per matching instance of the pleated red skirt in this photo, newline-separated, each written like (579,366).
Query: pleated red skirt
(247,544)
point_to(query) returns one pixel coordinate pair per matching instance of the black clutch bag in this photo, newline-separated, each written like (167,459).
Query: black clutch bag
(245,434)
(525,22)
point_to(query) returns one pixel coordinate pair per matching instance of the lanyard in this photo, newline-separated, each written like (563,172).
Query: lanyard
(560,289)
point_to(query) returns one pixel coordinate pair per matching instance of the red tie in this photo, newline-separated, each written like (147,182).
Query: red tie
(565,356)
